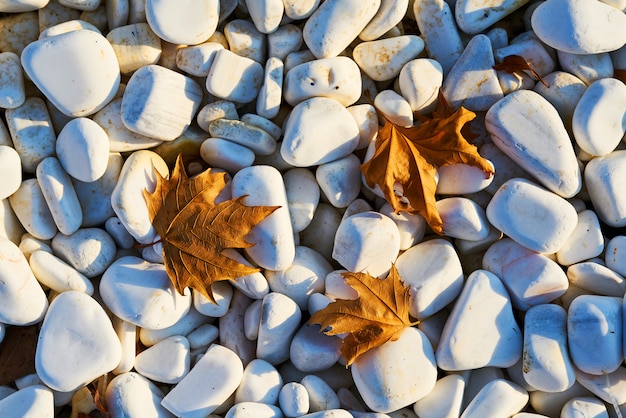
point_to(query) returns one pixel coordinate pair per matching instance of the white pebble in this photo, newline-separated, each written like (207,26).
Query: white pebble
(58,191)
(184,326)
(12,92)
(444,400)
(340,180)
(242,133)
(245,40)
(271,90)
(31,209)
(588,68)
(303,194)
(223,294)
(585,242)
(286,39)
(389,14)
(419,82)
(197,59)
(82,148)
(280,318)
(54,273)
(266,14)
(615,254)
(602,179)
(472,16)
(394,107)
(383,59)
(167,361)
(597,278)
(498,398)
(253,410)
(34,401)
(463,218)
(412,227)
(225,154)
(131,394)
(294,399)
(184,22)
(584,406)
(321,396)
(234,77)
(313,351)
(261,383)
(135,46)
(10,171)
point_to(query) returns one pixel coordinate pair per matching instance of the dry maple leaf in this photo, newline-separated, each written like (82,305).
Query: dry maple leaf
(514,63)
(194,230)
(378,315)
(410,157)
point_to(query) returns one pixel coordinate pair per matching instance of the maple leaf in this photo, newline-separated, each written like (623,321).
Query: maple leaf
(409,157)
(514,63)
(378,315)
(194,230)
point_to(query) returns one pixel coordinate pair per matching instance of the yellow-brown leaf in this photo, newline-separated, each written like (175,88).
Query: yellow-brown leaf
(405,162)
(194,230)
(378,315)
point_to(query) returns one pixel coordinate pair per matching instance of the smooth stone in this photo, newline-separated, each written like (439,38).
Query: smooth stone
(293,399)
(389,14)
(32,211)
(436,23)
(303,195)
(231,329)
(444,400)
(223,294)
(532,216)
(383,59)
(615,254)
(463,218)
(564,93)
(530,278)
(594,277)
(253,285)
(394,108)
(280,319)
(23,300)
(160,103)
(233,77)
(253,409)
(184,326)
(551,403)
(594,331)
(433,271)
(322,397)
(245,40)
(117,12)
(475,16)
(588,68)
(36,401)
(120,235)
(579,27)
(82,148)
(313,351)
(309,142)
(58,192)
(286,39)
(472,82)
(18,30)
(77,71)
(127,334)
(534,52)
(68,26)
(219,109)
(599,120)
(412,227)
(367,120)
(77,326)
(367,242)
(130,394)
(603,180)
(211,381)
(388,378)
(167,361)
(300,9)
(460,178)
(331,413)
(10,171)
(510,399)
(196,60)
(142,293)
(335,24)
(187,22)
(225,154)
(337,78)
(340,180)
(302,278)
(609,387)
(135,46)
(89,250)
(203,336)
(271,91)
(274,247)
(470,339)
(12,91)
(31,132)
(54,273)
(420,81)
(547,364)
(529,130)
(244,134)
(18,6)
(137,175)
(86,5)
(266,14)
(263,123)
(585,242)
(260,383)
(252,320)
(295,58)
(95,196)
(584,406)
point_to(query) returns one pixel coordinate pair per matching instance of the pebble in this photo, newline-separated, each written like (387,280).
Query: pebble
(82,148)
(498,398)
(358,249)
(303,194)
(546,362)
(245,40)
(397,373)
(419,81)
(271,91)
(320,234)
(280,318)
(608,387)
(242,133)
(293,399)
(335,24)
(594,333)
(584,406)
(463,218)
(585,242)
(433,271)
(394,108)
(130,394)
(602,176)
(77,326)
(598,121)
(313,351)
(196,60)
(284,40)
(340,180)
(234,77)
(12,91)
(54,273)
(321,396)
(211,381)
(32,211)
(231,326)
(444,400)
(588,68)
(189,22)
(77,71)
(472,82)
(462,179)
(160,103)
(528,129)
(167,361)
(533,51)
(614,256)
(141,293)
(474,16)
(564,93)
(23,300)
(389,14)
(31,402)
(10,171)
(470,339)
(184,326)
(253,410)
(223,294)
(532,216)
(337,78)
(261,383)
(225,154)
(59,194)
(135,46)
(307,141)
(266,14)
(383,59)
(88,250)
(579,27)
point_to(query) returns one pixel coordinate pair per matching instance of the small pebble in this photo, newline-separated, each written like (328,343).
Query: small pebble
(89,250)
(131,394)
(188,22)
(31,402)
(261,383)
(167,361)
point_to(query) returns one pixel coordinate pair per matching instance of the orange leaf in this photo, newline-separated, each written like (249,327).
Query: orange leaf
(378,315)
(405,162)
(194,230)
(515,63)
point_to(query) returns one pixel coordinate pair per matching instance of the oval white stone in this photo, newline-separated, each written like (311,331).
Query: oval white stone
(56,274)
(83,149)
(187,22)
(133,395)
(36,401)
(604,180)
(420,81)
(167,361)
(261,383)
(10,171)
(383,59)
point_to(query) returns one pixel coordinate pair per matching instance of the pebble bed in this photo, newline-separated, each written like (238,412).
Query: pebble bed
(521,302)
